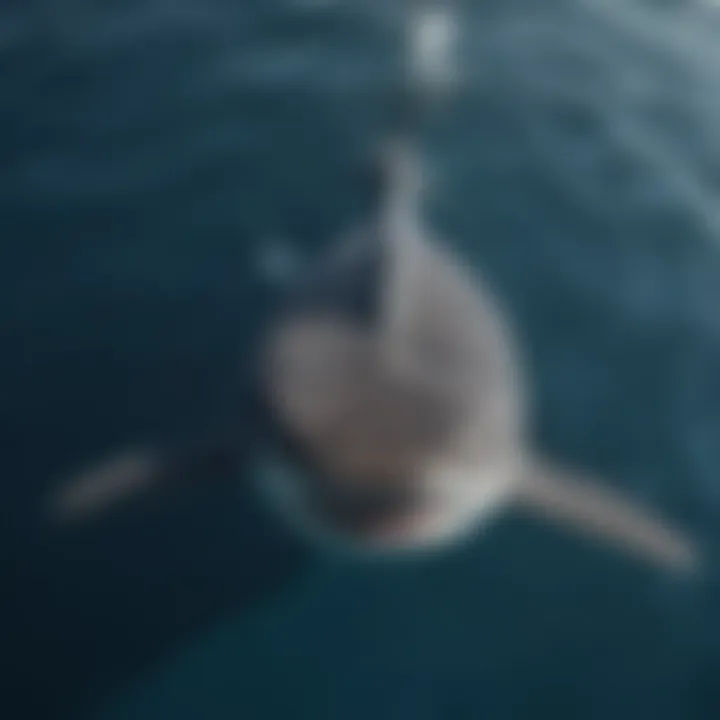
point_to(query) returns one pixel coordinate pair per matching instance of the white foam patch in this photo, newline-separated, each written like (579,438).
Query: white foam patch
(433,36)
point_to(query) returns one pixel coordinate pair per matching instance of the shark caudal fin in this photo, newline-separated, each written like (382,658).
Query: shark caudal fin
(600,512)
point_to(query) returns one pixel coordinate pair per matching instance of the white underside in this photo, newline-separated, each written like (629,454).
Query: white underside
(464,501)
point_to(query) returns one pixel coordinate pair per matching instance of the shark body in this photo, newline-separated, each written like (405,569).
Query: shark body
(390,380)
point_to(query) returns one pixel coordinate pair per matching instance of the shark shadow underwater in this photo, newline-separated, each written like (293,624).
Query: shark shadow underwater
(393,406)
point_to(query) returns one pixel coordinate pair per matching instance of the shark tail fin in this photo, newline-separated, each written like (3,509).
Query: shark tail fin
(598,511)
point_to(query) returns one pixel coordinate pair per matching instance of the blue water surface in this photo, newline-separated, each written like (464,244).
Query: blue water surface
(151,149)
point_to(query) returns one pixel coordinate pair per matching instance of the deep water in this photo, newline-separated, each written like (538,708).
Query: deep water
(150,151)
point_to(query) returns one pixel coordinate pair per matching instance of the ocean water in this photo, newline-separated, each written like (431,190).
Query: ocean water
(151,150)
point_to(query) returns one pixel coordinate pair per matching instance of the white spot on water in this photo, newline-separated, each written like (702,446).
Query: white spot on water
(433,35)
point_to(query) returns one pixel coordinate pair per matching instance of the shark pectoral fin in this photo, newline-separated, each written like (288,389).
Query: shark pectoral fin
(134,472)
(598,511)
(106,484)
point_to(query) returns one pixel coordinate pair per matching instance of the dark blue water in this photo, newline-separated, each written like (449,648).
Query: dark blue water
(150,149)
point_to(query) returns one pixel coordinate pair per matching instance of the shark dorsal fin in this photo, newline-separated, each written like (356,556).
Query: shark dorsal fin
(399,229)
